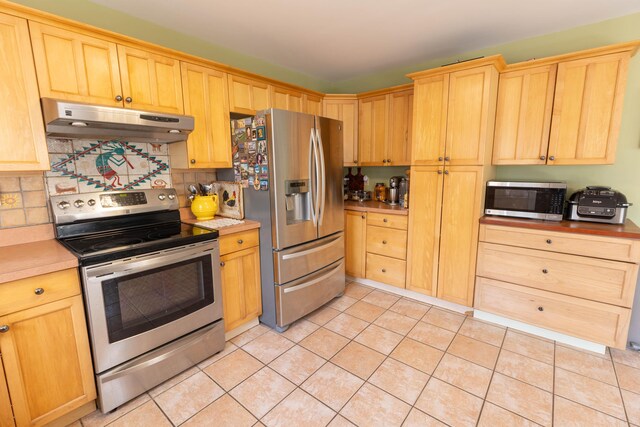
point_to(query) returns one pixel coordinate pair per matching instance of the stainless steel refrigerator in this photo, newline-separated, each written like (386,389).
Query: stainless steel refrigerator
(301,216)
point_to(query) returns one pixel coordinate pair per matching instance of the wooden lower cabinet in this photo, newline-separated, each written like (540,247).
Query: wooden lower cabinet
(6,413)
(46,360)
(386,269)
(240,274)
(355,238)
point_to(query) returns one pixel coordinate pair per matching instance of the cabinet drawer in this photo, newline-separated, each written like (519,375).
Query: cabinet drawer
(386,270)
(237,241)
(21,294)
(600,280)
(385,220)
(570,243)
(387,241)
(601,323)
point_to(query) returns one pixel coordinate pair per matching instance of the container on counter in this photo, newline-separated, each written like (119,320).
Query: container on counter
(380,192)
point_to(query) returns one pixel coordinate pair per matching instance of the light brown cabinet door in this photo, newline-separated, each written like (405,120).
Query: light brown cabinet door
(75,67)
(47,361)
(150,81)
(425,206)
(347,111)
(355,240)
(22,140)
(400,123)
(312,104)
(523,116)
(372,130)
(286,99)
(247,96)
(206,99)
(241,291)
(587,109)
(431,97)
(461,211)
(6,413)
(471,115)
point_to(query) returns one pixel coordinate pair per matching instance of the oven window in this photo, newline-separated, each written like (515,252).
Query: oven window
(143,301)
(513,199)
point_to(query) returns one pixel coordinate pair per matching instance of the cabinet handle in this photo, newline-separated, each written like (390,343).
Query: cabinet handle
(129,99)
(439,171)
(549,241)
(384,161)
(542,157)
(384,220)
(384,242)
(38,291)
(541,308)
(355,160)
(388,160)
(364,217)
(192,161)
(118,98)
(440,158)
(4,328)
(221,263)
(446,158)
(240,241)
(384,270)
(545,271)
(552,157)
(446,172)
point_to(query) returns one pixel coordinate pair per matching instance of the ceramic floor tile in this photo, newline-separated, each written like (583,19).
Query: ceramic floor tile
(525,369)
(523,399)
(482,331)
(379,339)
(417,418)
(586,364)
(395,322)
(628,378)
(568,413)
(381,299)
(626,357)
(365,311)
(185,399)
(346,325)
(262,391)
(233,369)
(417,355)
(357,291)
(358,359)
(400,380)
(474,351)
(225,411)
(410,308)
(632,405)
(98,419)
(340,421)
(592,393)
(332,385)
(322,315)
(324,343)
(297,364)
(529,346)
(147,414)
(433,335)
(268,346)
(444,318)
(249,335)
(438,399)
(374,407)
(461,373)
(173,381)
(342,303)
(300,330)
(495,416)
(228,348)
(299,409)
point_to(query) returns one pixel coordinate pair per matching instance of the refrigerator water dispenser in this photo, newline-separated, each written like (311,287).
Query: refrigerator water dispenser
(297,200)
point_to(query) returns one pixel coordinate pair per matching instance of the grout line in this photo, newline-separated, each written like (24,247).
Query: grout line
(493,371)
(624,405)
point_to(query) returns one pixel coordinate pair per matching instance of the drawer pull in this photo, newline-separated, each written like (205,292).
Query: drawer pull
(545,271)
(38,291)
(384,220)
(240,241)
(541,308)
(364,217)
(384,270)
(384,242)
(549,241)
(222,264)
(4,328)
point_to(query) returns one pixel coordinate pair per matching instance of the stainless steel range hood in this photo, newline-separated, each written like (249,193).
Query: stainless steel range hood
(78,120)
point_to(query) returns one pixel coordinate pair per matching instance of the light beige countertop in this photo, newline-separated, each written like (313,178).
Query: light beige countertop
(374,206)
(24,260)
(187,217)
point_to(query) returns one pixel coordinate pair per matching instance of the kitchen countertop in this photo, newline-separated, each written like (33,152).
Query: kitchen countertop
(627,230)
(24,260)
(187,217)
(374,206)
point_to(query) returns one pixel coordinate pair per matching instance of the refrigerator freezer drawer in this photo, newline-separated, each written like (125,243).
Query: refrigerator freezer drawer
(300,297)
(299,261)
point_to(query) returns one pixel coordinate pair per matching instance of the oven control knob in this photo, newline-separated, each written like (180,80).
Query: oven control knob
(171,196)
(78,203)
(91,202)
(162,196)
(63,204)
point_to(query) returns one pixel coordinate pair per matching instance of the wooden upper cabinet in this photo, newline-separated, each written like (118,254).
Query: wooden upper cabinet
(400,128)
(312,104)
(587,109)
(286,99)
(206,99)
(431,97)
(471,115)
(22,140)
(372,130)
(75,67)
(345,108)
(523,116)
(248,96)
(150,81)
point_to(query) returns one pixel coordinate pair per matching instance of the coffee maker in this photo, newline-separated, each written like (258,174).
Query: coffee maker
(394,190)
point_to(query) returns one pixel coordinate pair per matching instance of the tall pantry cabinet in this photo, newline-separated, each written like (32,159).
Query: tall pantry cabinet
(454,112)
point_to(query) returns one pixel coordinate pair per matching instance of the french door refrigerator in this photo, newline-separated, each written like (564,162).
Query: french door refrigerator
(301,216)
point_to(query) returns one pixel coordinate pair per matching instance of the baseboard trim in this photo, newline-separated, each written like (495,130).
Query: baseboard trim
(240,329)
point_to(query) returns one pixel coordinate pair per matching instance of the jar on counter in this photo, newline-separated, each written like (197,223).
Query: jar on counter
(380,192)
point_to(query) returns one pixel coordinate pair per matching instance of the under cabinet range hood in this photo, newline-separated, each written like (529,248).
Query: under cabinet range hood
(78,120)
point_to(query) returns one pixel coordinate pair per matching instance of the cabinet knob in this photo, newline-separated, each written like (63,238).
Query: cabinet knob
(38,291)
(4,328)
(542,157)
(552,157)
(541,308)
(129,99)
(384,220)
(355,160)
(440,158)
(221,263)
(240,241)
(545,271)
(192,161)
(388,160)
(384,242)
(446,172)
(384,270)
(384,161)
(118,98)
(439,171)
(364,217)
(549,241)
(446,158)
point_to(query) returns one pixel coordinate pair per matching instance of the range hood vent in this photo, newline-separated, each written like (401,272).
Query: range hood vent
(78,120)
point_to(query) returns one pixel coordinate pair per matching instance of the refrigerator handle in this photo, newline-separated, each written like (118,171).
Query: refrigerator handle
(323,179)
(314,182)
(317,176)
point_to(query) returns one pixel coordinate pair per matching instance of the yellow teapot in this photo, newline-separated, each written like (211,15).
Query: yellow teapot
(204,207)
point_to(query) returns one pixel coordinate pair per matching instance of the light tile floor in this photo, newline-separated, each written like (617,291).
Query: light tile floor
(374,359)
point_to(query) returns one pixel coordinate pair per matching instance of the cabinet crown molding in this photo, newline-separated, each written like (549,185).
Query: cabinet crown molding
(496,60)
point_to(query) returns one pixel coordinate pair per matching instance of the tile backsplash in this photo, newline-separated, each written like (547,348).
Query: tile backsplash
(23,201)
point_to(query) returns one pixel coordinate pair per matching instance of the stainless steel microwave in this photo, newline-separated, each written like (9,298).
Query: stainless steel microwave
(523,199)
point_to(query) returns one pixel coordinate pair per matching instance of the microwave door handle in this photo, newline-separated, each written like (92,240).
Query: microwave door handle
(323,178)
(312,178)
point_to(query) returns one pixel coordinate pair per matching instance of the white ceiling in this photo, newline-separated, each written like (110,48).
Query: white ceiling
(336,40)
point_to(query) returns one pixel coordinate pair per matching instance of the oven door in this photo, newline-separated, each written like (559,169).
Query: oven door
(140,303)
